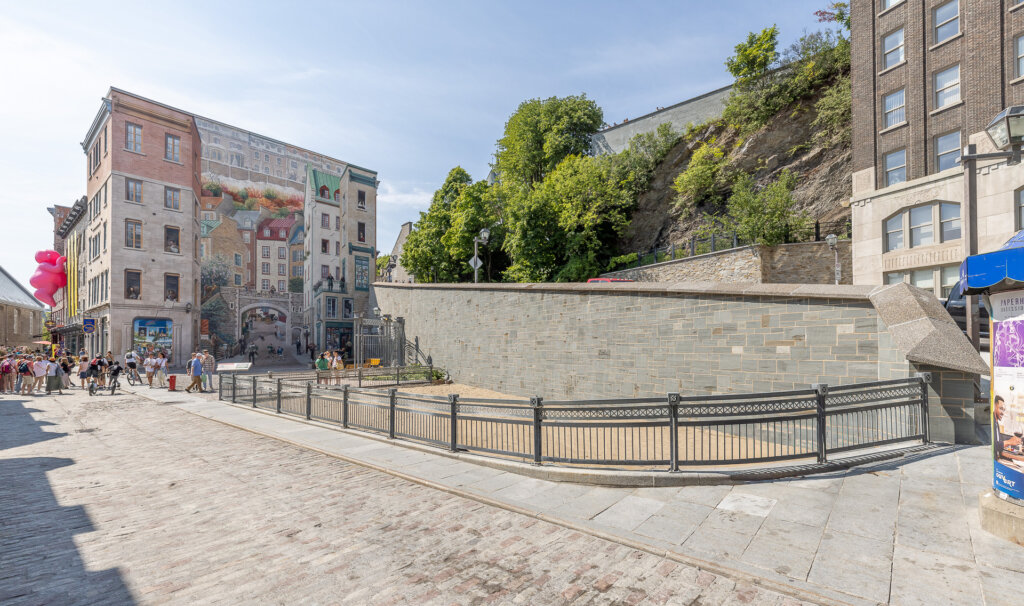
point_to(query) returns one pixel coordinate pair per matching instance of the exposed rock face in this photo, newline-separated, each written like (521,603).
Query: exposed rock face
(788,142)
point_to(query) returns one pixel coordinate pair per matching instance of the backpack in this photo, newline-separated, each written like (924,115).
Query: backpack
(23,368)
(5,367)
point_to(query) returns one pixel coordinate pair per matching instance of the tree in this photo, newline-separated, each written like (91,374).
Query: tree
(424,255)
(217,314)
(764,216)
(541,133)
(215,273)
(295,284)
(473,210)
(382,264)
(698,182)
(837,12)
(755,56)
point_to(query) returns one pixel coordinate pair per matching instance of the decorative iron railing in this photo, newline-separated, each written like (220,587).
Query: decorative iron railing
(670,432)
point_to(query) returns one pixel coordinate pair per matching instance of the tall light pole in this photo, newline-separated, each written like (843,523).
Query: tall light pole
(1007,133)
(485,234)
(832,240)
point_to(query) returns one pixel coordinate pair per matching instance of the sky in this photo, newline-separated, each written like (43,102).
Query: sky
(409,89)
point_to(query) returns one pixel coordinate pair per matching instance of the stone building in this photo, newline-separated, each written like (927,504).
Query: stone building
(928,76)
(222,238)
(247,221)
(67,313)
(141,269)
(21,316)
(272,262)
(395,272)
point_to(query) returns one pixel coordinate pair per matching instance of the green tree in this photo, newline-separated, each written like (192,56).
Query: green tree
(295,284)
(541,133)
(216,312)
(764,216)
(424,254)
(473,210)
(215,273)
(699,180)
(634,166)
(382,263)
(755,56)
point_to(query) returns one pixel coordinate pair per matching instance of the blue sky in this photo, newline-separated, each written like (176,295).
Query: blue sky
(410,89)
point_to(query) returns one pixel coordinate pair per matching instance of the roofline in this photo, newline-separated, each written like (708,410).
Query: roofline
(18,284)
(74,216)
(105,110)
(665,109)
(195,115)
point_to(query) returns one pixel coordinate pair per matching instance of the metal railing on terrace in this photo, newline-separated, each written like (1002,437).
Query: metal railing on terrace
(671,432)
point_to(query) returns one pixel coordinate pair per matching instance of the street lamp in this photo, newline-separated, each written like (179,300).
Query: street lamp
(485,235)
(832,240)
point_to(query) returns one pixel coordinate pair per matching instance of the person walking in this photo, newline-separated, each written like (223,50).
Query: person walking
(209,367)
(7,372)
(25,373)
(65,374)
(252,354)
(161,369)
(321,367)
(53,377)
(39,373)
(195,370)
(149,365)
(83,369)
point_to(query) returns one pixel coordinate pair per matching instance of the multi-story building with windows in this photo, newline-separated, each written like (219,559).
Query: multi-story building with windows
(928,76)
(140,271)
(340,226)
(67,313)
(296,251)
(272,258)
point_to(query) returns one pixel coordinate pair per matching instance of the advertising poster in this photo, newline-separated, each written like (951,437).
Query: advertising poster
(152,334)
(1008,392)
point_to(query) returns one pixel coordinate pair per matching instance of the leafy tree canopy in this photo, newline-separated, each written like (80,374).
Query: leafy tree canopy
(764,216)
(755,56)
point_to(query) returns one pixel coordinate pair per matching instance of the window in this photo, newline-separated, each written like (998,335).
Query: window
(172,198)
(133,137)
(337,195)
(266,157)
(282,233)
(282,269)
(133,190)
(894,233)
(104,235)
(325,246)
(265,253)
(172,237)
(947,21)
(132,233)
(331,307)
(1020,209)
(895,108)
(947,151)
(337,223)
(923,278)
(325,271)
(948,277)
(896,167)
(947,87)
(171,287)
(282,286)
(172,148)
(282,252)
(949,221)
(246,237)
(238,279)
(132,284)
(265,268)
(894,277)
(361,200)
(893,49)
(361,231)
(1018,46)
(362,273)
(346,308)
(266,232)
(238,260)
(887,4)
(337,248)
(325,221)
(922,228)
(264,284)
(256,155)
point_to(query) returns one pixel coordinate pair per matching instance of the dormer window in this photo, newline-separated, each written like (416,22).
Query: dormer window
(324,192)
(337,195)
(266,232)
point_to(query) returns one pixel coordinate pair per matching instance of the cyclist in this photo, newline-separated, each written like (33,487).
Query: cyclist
(113,372)
(131,360)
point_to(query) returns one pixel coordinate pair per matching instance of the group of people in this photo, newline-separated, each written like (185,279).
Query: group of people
(330,361)
(27,373)
(200,369)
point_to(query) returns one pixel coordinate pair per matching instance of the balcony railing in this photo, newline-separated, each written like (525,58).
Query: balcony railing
(334,286)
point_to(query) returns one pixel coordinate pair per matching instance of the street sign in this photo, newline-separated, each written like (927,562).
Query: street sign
(49,324)
(89,325)
(475,262)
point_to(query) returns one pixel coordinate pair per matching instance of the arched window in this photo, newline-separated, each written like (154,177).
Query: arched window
(337,195)
(922,225)
(324,192)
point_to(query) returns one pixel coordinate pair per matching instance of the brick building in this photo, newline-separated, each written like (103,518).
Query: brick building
(928,76)
(141,269)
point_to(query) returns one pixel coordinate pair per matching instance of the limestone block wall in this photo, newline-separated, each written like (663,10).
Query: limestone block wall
(578,341)
(800,263)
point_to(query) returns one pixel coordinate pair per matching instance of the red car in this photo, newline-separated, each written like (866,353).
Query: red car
(608,280)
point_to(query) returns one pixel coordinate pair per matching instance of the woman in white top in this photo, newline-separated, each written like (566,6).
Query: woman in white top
(149,364)
(338,365)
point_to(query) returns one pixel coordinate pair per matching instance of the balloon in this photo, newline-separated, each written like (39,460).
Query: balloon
(49,276)
(45,297)
(47,256)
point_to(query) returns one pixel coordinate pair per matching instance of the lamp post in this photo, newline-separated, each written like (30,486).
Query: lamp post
(1007,133)
(485,235)
(832,240)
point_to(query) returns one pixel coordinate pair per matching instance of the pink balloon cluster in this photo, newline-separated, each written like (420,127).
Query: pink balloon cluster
(49,276)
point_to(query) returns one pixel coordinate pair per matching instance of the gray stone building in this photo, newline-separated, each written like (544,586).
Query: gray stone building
(21,315)
(395,272)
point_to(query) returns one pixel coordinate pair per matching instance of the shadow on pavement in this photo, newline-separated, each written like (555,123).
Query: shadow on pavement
(39,561)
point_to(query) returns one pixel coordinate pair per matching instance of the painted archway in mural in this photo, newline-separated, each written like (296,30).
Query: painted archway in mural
(266,327)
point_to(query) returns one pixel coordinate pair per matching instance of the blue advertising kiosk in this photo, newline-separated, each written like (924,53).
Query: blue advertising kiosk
(998,277)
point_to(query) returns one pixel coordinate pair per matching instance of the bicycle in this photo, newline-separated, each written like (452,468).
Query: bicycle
(114,383)
(133,377)
(92,386)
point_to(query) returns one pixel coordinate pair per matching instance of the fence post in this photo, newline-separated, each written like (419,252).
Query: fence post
(537,403)
(735,240)
(639,258)
(926,379)
(430,373)
(453,401)
(817,231)
(309,401)
(693,245)
(712,242)
(359,375)
(234,383)
(849,228)
(673,427)
(220,388)
(822,391)
(254,391)
(278,396)
(398,375)
(344,405)
(392,398)
(673,252)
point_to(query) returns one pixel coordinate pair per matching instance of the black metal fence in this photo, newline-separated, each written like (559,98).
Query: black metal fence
(669,432)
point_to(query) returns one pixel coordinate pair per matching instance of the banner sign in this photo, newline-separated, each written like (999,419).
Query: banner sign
(1008,392)
(89,326)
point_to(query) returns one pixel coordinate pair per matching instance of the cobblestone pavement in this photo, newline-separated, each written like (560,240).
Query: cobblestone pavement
(121,500)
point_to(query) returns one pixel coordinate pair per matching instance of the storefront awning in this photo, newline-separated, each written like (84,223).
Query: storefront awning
(1001,269)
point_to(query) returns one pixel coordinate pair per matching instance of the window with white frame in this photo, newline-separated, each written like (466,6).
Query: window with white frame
(265,268)
(947,151)
(331,307)
(947,86)
(894,233)
(948,277)
(1018,46)
(325,221)
(922,226)
(894,277)
(895,167)
(887,4)
(923,278)
(264,284)
(923,222)
(892,49)
(265,252)
(949,221)
(895,108)
(947,20)
(282,286)
(1020,209)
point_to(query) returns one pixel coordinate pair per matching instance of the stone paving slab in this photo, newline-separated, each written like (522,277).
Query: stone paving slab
(860,517)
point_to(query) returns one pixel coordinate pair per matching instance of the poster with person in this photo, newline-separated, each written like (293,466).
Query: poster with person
(1008,392)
